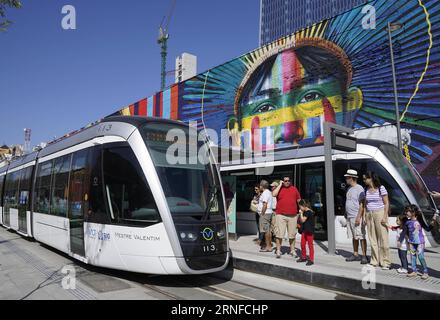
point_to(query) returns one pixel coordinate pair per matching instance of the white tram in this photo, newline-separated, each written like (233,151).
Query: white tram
(107,196)
(306,167)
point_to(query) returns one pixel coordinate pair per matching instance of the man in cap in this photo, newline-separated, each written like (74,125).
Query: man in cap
(354,208)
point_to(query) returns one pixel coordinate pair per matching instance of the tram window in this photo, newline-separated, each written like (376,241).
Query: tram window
(60,186)
(2,178)
(128,195)
(397,198)
(79,184)
(25,187)
(11,190)
(97,212)
(42,186)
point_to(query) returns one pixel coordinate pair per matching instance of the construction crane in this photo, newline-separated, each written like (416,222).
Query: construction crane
(163,42)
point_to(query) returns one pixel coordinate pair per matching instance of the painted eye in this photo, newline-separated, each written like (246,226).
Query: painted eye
(265,108)
(311,96)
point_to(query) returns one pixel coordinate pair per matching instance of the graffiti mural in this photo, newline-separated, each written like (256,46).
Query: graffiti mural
(338,70)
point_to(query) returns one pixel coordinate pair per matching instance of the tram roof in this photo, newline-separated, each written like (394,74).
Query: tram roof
(3,169)
(299,153)
(123,126)
(23,160)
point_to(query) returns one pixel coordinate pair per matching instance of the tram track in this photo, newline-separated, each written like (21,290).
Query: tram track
(156,289)
(212,287)
(213,290)
(238,287)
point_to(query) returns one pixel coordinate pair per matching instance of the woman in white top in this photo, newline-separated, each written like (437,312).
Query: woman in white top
(377,208)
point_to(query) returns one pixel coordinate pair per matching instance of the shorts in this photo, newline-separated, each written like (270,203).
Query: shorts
(356,232)
(282,222)
(265,222)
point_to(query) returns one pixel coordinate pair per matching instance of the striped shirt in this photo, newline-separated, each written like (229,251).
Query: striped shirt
(374,199)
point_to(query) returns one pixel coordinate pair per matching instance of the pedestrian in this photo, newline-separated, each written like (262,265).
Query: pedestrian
(254,208)
(435,194)
(377,208)
(265,213)
(286,214)
(273,186)
(416,239)
(354,210)
(307,221)
(402,242)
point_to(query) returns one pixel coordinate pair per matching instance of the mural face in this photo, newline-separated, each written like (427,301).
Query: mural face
(338,70)
(293,93)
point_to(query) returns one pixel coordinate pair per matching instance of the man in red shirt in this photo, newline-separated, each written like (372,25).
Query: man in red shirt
(286,214)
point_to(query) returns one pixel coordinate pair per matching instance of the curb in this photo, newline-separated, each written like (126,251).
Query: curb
(347,285)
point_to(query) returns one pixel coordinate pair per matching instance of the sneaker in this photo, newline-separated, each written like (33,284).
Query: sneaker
(278,253)
(373,265)
(425,276)
(353,258)
(386,268)
(412,275)
(301,260)
(402,271)
(309,263)
(364,260)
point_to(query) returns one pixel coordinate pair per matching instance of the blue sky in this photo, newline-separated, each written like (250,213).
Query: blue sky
(55,81)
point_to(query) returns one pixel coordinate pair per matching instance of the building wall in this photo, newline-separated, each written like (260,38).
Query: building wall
(336,71)
(282,17)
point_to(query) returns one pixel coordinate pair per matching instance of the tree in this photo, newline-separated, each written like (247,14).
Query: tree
(4,4)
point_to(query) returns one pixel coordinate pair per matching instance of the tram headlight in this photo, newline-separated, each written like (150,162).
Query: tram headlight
(192,237)
(221,234)
(188,236)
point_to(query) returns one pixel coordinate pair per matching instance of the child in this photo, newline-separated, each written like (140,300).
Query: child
(307,228)
(416,240)
(402,245)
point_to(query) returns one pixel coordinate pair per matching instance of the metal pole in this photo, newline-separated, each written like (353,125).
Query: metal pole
(396,98)
(330,197)
(329,182)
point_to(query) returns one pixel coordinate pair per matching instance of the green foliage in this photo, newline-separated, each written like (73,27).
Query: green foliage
(5,4)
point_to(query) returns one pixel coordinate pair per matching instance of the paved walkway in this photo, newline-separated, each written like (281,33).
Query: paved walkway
(29,271)
(334,272)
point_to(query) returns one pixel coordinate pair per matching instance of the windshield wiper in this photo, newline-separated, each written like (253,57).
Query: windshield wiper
(212,195)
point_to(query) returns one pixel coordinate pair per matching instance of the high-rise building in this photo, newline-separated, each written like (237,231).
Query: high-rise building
(282,17)
(27,140)
(186,67)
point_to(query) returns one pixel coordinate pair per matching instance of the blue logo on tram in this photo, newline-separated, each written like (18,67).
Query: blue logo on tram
(208,234)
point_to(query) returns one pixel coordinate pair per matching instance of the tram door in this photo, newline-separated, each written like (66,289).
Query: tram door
(23,199)
(79,196)
(312,188)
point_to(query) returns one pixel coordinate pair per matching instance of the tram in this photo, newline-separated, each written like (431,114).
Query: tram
(109,197)
(306,167)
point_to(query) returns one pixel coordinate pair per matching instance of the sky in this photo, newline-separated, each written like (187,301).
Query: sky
(55,81)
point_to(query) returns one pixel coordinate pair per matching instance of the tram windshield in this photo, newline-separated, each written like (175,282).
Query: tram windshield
(411,178)
(188,178)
